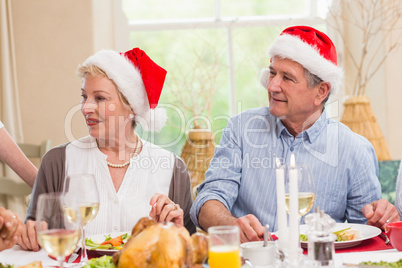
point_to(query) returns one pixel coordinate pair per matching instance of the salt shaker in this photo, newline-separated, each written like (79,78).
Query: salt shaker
(320,239)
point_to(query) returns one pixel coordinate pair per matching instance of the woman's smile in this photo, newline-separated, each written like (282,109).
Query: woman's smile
(92,122)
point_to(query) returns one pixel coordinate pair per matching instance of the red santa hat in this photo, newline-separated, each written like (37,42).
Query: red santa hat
(139,79)
(311,48)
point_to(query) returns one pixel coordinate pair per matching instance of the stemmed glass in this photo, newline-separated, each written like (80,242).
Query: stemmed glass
(306,189)
(58,225)
(83,188)
(306,198)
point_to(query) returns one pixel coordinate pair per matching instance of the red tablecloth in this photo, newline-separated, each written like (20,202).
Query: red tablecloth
(372,244)
(91,254)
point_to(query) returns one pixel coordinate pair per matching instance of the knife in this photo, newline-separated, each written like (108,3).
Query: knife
(74,255)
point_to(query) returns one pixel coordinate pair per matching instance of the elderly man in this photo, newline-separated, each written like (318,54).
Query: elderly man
(240,185)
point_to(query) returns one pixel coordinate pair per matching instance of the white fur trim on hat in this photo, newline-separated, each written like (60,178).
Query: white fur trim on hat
(129,82)
(293,48)
(153,119)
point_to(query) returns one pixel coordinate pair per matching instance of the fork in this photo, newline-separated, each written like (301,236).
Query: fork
(385,238)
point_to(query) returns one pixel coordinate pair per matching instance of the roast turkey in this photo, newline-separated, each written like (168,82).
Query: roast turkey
(156,245)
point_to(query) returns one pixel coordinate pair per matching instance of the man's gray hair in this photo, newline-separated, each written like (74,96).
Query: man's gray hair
(313,81)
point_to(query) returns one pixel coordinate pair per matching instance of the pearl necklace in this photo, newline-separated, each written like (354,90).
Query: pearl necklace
(136,152)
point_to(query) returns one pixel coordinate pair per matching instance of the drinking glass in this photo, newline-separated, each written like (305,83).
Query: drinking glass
(57,225)
(306,189)
(224,247)
(83,188)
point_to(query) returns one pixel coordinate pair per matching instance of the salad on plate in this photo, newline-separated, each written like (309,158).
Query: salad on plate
(113,242)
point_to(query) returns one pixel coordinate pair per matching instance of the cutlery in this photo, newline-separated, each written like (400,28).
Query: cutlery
(74,255)
(266,235)
(385,238)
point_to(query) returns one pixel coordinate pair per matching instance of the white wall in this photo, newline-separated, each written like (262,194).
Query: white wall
(52,37)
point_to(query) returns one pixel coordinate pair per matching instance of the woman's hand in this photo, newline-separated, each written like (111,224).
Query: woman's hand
(9,228)
(164,210)
(27,240)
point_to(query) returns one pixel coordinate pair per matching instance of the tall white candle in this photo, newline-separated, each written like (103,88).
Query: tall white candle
(293,211)
(282,231)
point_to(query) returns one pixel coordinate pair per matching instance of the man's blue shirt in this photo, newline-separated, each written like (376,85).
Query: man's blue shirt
(242,173)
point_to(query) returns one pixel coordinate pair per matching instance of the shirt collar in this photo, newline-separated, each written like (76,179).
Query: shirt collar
(310,134)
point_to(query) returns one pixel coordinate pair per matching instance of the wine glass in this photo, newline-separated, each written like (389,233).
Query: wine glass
(83,188)
(306,189)
(58,225)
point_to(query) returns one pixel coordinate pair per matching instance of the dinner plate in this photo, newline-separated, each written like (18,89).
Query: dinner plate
(100,238)
(366,232)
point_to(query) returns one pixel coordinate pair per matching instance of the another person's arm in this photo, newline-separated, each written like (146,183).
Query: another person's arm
(12,155)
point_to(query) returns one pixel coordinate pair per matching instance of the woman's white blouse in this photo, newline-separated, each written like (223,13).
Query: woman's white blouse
(148,173)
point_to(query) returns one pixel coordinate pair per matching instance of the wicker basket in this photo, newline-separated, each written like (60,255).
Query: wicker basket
(359,117)
(197,153)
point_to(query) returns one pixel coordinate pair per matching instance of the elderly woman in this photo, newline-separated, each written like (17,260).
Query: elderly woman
(134,177)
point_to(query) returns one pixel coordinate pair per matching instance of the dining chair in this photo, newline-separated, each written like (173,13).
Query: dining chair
(388,174)
(11,186)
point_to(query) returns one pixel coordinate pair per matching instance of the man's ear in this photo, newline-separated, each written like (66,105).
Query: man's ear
(323,91)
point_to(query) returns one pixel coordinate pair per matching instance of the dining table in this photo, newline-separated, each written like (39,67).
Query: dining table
(373,249)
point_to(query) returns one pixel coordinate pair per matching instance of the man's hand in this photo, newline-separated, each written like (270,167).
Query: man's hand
(214,213)
(250,229)
(380,212)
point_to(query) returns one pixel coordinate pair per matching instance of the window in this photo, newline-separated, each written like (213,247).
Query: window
(212,47)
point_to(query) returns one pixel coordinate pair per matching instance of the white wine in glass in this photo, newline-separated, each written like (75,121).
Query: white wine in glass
(83,188)
(306,190)
(57,232)
(306,202)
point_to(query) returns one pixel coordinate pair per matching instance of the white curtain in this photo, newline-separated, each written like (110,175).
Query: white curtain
(9,105)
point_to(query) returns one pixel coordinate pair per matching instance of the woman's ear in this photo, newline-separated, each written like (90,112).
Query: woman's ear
(323,91)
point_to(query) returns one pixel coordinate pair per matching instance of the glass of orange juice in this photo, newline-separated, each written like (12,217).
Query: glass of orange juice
(224,247)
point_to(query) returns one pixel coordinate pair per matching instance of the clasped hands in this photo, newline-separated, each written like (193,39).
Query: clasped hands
(10,228)
(165,210)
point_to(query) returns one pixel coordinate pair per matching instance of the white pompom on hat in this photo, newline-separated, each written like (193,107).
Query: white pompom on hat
(313,49)
(139,79)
